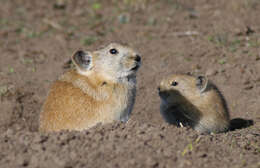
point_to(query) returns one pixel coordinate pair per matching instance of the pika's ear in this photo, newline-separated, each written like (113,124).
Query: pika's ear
(82,60)
(202,83)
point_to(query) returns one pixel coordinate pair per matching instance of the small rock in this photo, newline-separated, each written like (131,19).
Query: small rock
(249,31)
(24,139)
(193,14)
(124,18)
(63,136)
(245,51)
(9,132)
(151,162)
(242,144)
(3,90)
(217,13)
(222,70)
(40,58)
(60,4)
(243,66)
(248,87)
(211,72)
(202,154)
(59,162)
(40,138)
(249,136)
(167,152)
(246,82)
(36,147)
(242,70)
(197,66)
(238,32)
(20,160)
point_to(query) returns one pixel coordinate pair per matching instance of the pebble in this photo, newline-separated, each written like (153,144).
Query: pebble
(60,4)
(151,161)
(202,154)
(124,18)
(249,136)
(9,132)
(249,87)
(243,144)
(246,82)
(211,72)
(258,79)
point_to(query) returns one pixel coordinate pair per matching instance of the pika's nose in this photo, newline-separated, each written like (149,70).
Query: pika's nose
(137,58)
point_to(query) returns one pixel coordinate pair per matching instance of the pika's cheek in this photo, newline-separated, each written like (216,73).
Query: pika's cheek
(129,64)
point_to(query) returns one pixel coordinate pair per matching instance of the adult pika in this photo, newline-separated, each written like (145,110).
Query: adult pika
(101,89)
(193,101)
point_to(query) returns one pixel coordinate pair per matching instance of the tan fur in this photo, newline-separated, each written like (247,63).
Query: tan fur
(205,110)
(80,98)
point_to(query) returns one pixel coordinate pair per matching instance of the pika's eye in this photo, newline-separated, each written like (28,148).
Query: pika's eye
(113,51)
(174,83)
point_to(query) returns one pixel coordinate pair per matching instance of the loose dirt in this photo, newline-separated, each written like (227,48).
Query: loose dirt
(218,38)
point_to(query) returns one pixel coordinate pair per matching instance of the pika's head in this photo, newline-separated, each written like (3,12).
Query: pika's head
(175,88)
(114,61)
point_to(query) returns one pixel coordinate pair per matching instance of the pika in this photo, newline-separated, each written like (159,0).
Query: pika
(100,89)
(192,101)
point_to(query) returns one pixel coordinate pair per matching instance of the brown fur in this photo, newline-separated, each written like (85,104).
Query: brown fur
(79,101)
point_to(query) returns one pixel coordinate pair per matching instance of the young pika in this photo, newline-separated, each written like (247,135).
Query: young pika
(193,101)
(101,89)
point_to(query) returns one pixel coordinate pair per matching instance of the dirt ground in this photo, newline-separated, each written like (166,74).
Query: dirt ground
(218,38)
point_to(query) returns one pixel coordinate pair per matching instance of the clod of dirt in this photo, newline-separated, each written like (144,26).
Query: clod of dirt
(257,57)
(3,90)
(60,4)
(248,87)
(124,18)
(193,14)
(211,72)
(245,31)
(249,31)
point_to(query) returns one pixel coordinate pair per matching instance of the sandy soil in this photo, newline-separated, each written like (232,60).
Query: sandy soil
(218,38)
